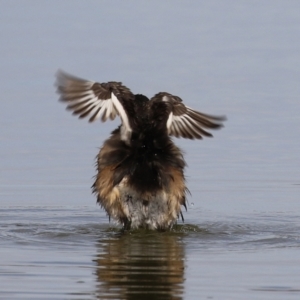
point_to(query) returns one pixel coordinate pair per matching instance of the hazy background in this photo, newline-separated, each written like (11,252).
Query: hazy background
(238,58)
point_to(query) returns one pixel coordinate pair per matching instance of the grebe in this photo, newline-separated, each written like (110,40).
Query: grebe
(140,180)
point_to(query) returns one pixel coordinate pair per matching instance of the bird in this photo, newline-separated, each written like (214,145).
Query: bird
(140,180)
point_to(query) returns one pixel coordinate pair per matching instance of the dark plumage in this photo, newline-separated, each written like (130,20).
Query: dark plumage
(140,180)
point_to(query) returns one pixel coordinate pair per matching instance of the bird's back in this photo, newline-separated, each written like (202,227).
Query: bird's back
(147,175)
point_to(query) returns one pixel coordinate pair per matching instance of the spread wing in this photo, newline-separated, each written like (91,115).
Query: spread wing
(183,121)
(95,100)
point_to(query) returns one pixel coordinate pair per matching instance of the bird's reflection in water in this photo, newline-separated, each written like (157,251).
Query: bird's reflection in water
(141,265)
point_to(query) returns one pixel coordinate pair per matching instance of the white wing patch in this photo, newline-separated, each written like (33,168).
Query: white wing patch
(125,128)
(86,103)
(188,127)
(185,122)
(97,108)
(95,100)
(165,98)
(169,122)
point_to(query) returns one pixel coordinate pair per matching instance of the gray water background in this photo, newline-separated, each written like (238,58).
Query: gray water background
(240,239)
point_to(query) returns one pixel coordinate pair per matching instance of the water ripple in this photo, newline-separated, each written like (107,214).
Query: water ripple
(80,225)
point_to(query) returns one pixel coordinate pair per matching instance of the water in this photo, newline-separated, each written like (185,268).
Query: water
(240,238)
(73,252)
